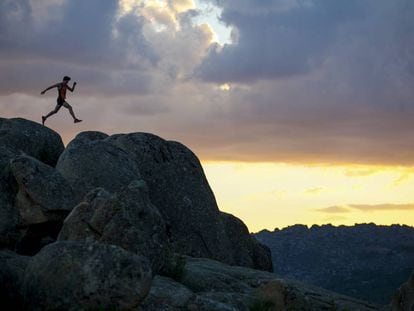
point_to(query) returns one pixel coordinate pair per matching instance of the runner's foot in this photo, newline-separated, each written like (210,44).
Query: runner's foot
(43,120)
(77,121)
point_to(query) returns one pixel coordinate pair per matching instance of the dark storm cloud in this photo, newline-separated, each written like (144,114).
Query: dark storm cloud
(87,38)
(326,81)
(277,43)
(279,39)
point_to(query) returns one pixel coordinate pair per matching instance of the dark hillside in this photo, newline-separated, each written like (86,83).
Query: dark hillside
(365,261)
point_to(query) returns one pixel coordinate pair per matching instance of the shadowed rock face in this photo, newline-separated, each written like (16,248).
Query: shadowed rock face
(12,269)
(33,193)
(21,137)
(127,219)
(403,299)
(43,201)
(180,190)
(138,198)
(31,138)
(44,195)
(249,251)
(90,161)
(85,276)
(177,187)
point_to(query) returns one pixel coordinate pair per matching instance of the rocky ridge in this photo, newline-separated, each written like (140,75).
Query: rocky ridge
(365,261)
(127,222)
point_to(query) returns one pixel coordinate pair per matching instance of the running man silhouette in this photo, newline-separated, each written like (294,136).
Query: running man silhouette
(61,100)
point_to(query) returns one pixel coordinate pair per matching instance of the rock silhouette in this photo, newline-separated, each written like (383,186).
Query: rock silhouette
(127,222)
(403,299)
(43,195)
(21,137)
(177,187)
(26,137)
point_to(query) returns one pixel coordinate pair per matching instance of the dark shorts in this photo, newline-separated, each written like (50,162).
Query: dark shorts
(60,101)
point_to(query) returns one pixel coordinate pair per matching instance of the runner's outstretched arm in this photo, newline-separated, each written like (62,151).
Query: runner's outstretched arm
(49,88)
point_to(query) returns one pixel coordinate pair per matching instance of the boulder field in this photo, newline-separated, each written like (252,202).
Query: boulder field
(128,222)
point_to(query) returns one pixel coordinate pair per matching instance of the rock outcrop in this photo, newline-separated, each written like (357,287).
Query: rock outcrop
(177,187)
(85,276)
(127,219)
(249,251)
(403,299)
(120,223)
(21,137)
(91,161)
(208,285)
(44,195)
(26,137)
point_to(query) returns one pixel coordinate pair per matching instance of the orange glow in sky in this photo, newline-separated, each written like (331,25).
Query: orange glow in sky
(269,195)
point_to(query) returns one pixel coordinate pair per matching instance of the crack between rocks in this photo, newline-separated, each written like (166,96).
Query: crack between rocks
(92,228)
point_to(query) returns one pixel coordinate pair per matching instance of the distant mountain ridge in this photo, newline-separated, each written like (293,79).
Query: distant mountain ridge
(365,261)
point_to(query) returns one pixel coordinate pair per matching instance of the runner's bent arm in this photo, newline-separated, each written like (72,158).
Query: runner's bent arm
(73,87)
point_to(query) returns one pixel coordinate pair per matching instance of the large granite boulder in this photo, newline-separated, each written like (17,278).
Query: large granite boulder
(179,189)
(44,195)
(42,202)
(85,276)
(90,161)
(127,219)
(403,299)
(12,268)
(249,251)
(31,138)
(17,137)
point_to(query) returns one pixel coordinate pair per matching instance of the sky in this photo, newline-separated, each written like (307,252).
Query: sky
(301,111)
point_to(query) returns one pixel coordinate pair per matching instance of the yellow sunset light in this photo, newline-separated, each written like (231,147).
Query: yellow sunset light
(225,87)
(269,195)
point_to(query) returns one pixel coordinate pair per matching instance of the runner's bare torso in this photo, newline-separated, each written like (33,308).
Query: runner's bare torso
(62,87)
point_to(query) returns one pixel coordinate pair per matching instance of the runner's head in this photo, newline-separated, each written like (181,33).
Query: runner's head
(66,79)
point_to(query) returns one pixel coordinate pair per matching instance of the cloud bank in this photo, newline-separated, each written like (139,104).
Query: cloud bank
(339,209)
